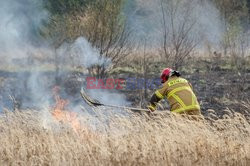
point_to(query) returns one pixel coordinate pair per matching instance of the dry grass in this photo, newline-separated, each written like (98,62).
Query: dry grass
(34,138)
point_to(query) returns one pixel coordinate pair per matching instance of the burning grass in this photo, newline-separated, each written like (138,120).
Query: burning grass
(37,138)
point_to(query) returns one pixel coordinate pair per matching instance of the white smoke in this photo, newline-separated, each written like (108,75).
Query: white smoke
(85,55)
(109,97)
(209,25)
(20,44)
(82,53)
(19,24)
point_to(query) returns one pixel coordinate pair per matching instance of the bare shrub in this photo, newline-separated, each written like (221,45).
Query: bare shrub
(178,23)
(101,22)
(105,28)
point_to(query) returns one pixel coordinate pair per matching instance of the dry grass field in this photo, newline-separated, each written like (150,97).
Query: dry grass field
(37,138)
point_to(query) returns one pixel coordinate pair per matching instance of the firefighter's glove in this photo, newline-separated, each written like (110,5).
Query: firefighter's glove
(152,107)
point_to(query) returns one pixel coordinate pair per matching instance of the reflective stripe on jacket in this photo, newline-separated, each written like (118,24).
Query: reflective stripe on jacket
(179,94)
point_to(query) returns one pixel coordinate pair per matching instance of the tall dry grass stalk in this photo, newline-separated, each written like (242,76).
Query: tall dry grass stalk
(30,138)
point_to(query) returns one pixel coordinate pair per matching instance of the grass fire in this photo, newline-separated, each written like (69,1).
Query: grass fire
(125,82)
(62,115)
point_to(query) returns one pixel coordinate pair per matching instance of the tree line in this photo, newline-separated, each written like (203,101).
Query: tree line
(103,24)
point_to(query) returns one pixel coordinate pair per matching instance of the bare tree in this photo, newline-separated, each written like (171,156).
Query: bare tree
(144,73)
(105,28)
(177,25)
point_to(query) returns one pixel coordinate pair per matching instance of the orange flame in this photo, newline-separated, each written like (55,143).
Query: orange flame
(61,114)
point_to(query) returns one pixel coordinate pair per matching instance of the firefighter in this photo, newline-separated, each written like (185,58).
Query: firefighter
(178,91)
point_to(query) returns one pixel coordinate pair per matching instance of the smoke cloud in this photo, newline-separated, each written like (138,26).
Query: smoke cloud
(20,21)
(21,44)
(81,53)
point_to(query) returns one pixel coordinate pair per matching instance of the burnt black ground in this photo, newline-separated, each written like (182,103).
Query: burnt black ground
(216,89)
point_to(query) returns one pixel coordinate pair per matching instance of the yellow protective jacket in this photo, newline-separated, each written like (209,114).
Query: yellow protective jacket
(179,94)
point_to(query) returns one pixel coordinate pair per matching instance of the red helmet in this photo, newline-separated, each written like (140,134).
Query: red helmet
(165,74)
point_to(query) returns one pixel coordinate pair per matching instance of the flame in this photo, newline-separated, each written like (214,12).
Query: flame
(61,114)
